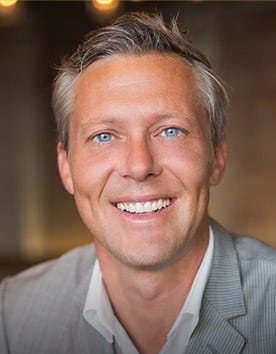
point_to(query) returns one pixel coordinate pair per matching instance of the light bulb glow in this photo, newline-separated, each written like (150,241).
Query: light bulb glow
(104,2)
(105,5)
(7,3)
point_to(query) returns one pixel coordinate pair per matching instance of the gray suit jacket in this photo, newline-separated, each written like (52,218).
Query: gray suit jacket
(41,308)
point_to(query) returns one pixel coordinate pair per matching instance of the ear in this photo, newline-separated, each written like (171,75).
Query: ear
(64,168)
(219,162)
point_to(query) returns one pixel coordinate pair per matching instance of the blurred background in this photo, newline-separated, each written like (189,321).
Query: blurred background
(38,220)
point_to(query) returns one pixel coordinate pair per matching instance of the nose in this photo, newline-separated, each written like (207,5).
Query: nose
(139,160)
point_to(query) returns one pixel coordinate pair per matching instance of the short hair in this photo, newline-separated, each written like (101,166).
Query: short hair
(138,33)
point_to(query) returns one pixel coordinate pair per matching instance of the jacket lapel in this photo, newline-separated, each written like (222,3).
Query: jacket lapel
(214,335)
(222,301)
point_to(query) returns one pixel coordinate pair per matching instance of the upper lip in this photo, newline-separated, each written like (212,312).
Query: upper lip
(141,199)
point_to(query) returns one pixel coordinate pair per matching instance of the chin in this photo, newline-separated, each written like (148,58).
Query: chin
(149,259)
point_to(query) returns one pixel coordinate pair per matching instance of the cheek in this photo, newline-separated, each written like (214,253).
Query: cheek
(90,174)
(189,164)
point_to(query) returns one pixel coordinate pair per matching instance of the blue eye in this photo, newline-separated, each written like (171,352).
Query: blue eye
(171,132)
(103,137)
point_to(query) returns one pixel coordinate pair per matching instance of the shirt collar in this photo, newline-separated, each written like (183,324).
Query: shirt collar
(98,311)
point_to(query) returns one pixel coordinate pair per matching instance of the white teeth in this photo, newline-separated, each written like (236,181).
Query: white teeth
(138,208)
(146,207)
(131,208)
(159,204)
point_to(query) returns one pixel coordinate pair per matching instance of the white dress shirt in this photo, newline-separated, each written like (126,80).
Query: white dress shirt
(99,313)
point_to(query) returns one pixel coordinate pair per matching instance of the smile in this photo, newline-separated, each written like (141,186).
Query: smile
(144,207)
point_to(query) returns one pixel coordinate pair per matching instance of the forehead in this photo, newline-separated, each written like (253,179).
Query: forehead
(121,69)
(159,79)
(140,61)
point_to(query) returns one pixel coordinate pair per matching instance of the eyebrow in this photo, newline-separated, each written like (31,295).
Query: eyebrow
(100,121)
(118,120)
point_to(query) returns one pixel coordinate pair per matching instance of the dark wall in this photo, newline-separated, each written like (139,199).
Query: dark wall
(37,218)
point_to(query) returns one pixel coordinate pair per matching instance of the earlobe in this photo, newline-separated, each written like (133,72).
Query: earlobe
(219,162)
(64,168)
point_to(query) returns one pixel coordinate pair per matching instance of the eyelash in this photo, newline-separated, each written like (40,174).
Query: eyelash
(102,134)
(172,129)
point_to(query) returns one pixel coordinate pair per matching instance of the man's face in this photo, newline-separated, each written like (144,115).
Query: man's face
(140,158)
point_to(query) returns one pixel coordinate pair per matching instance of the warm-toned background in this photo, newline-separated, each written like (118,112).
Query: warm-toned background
(38,219)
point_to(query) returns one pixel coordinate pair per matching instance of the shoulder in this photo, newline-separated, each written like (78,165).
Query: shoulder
(256,269)
(254,256)
(248,249)
(253,250)
(38,299)
(69,268)
(255,261)
(242,287)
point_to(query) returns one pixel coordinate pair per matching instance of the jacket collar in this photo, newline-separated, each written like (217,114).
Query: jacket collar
(223,300)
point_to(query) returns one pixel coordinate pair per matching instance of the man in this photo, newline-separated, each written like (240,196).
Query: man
(141,120)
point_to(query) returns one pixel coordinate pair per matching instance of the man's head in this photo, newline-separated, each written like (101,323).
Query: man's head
(143,148)
(139,33)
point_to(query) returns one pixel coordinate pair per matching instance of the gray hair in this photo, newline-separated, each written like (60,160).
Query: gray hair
(138,33)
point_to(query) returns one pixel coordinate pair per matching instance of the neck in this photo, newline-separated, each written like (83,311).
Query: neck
(141,298)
